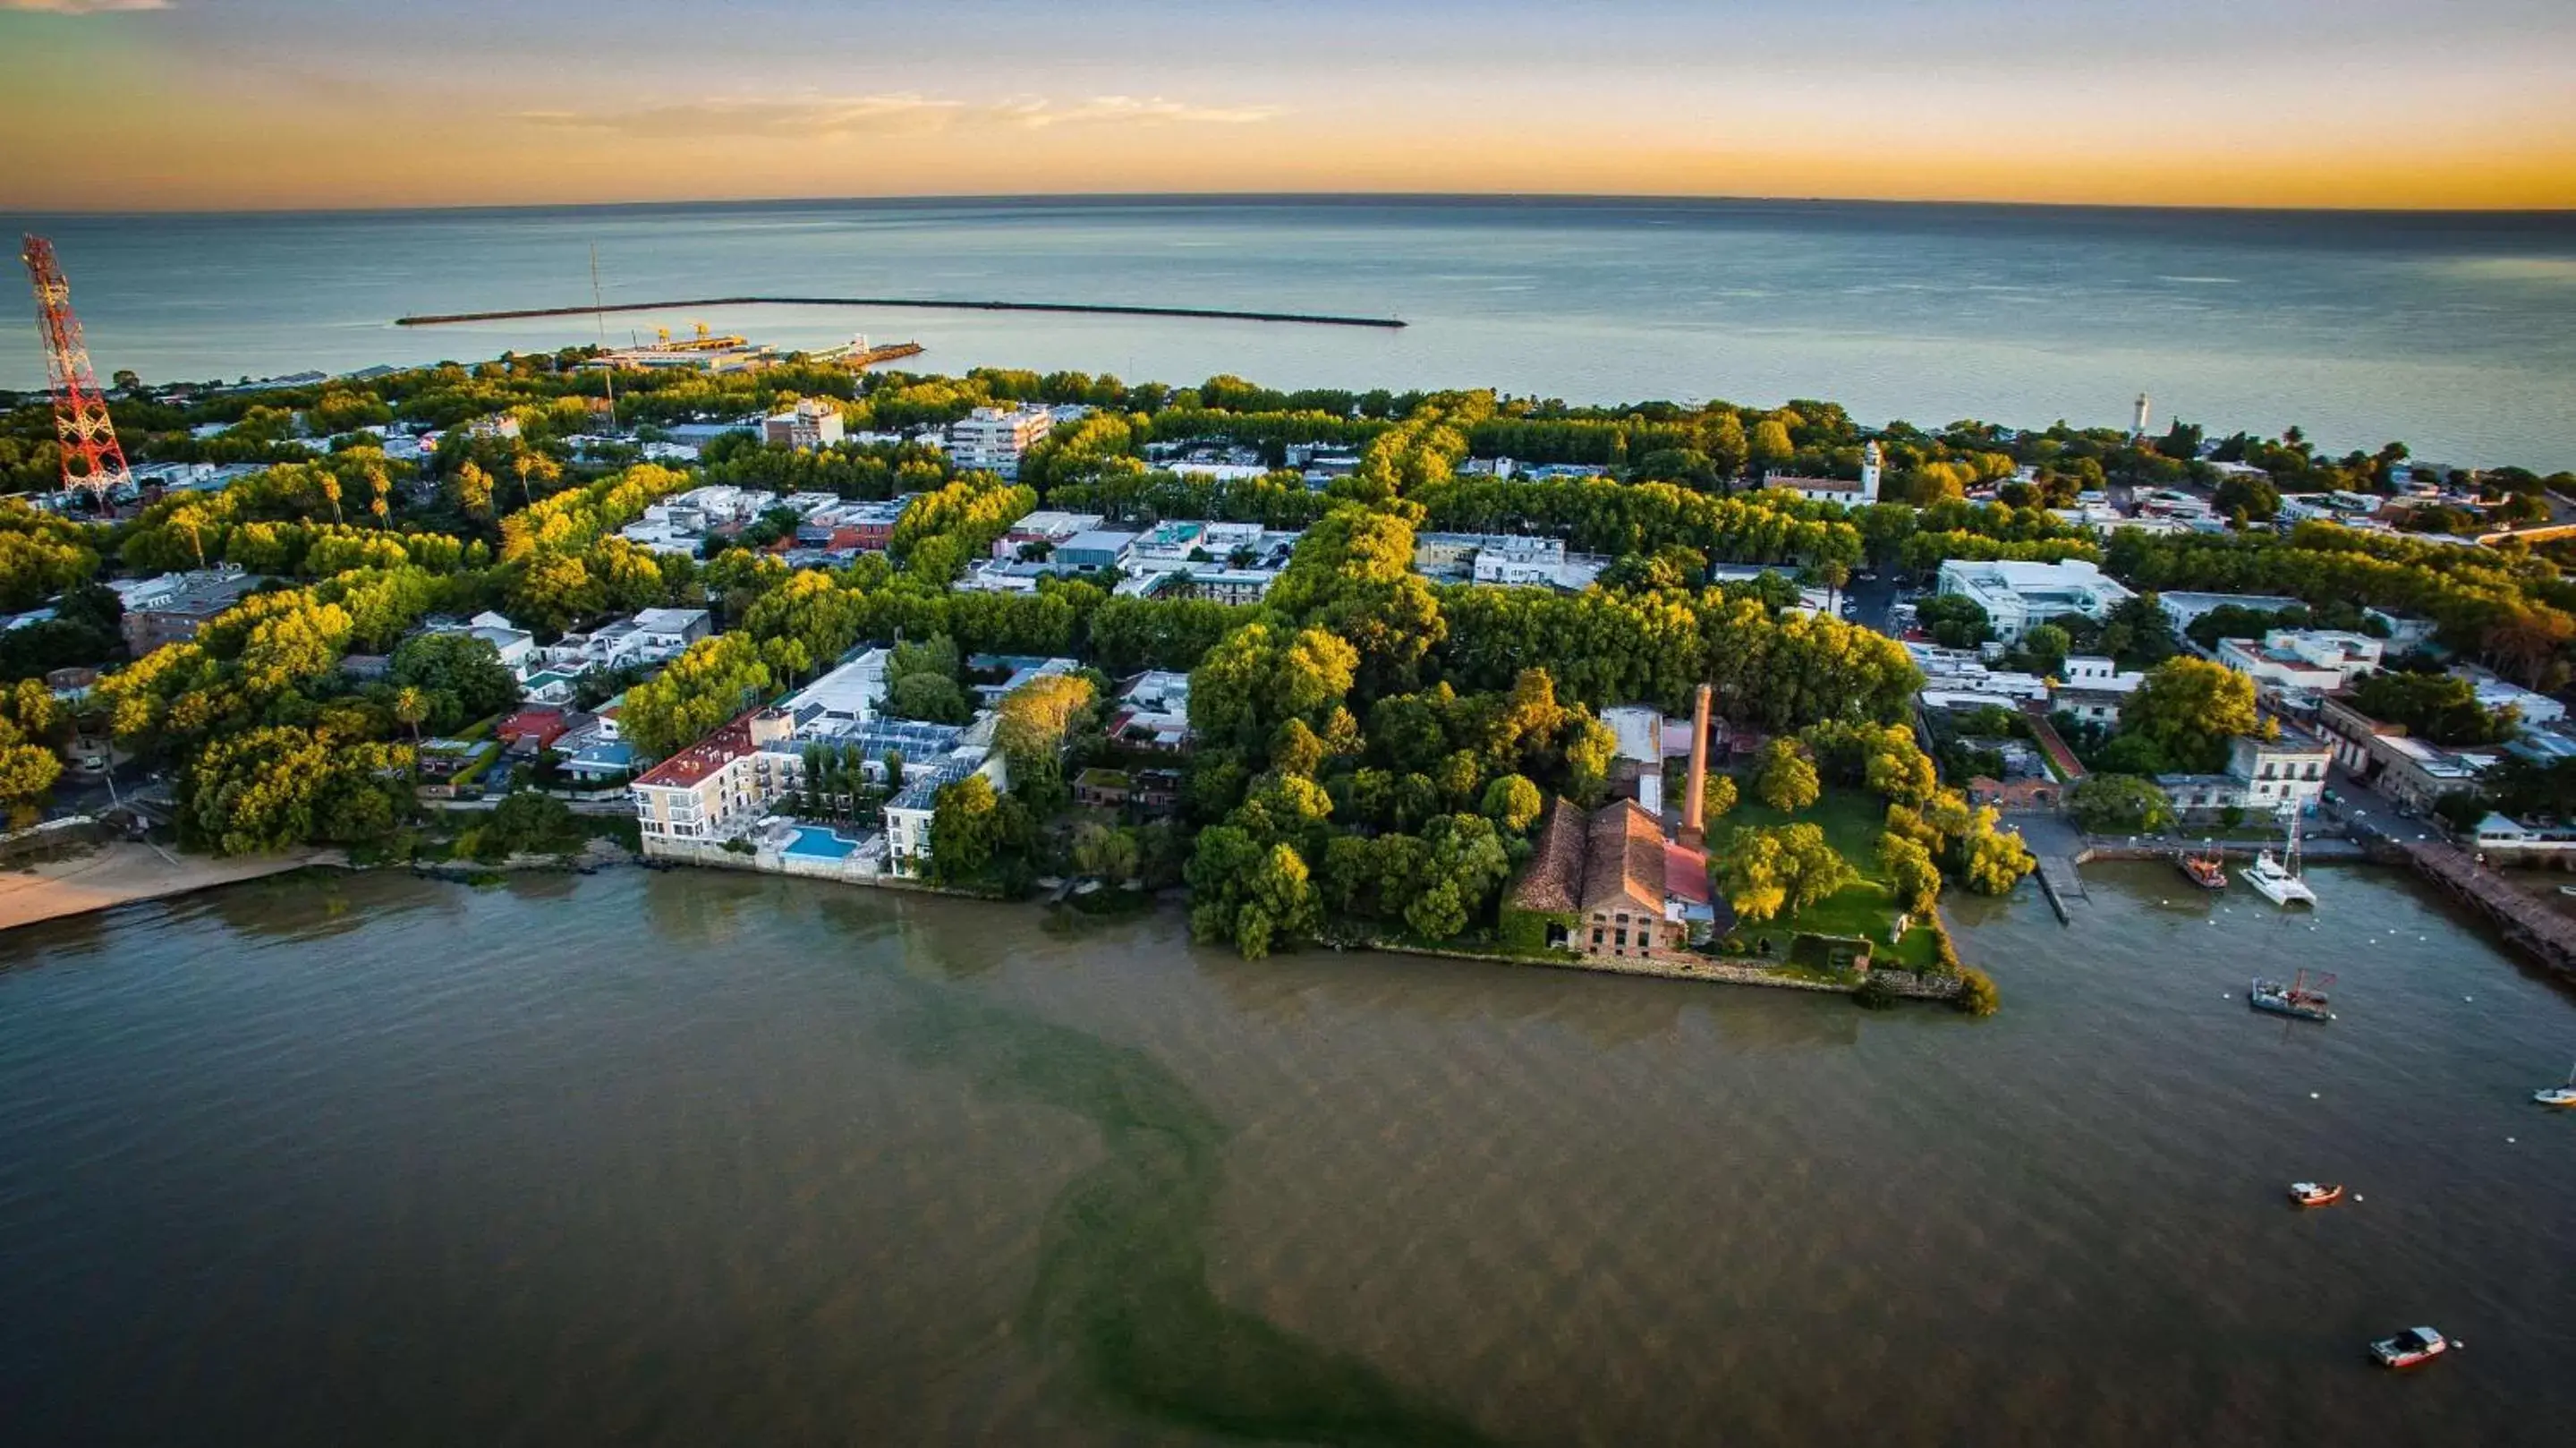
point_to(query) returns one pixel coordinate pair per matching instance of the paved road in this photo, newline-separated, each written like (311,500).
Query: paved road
(2357,804)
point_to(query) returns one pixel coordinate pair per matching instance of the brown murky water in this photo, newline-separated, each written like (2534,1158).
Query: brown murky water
(696,1158)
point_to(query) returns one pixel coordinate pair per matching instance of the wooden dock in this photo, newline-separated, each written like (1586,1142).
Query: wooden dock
(2526,922)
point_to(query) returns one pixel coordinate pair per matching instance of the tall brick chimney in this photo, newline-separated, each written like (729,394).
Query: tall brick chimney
(1694,797)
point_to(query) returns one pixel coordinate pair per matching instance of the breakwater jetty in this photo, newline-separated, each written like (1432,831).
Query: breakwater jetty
(1104,309)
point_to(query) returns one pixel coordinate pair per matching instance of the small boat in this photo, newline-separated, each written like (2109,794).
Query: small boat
(2207,871)
(2559,1095)
(2567,889)
(2277,878)
(2298,998)
(2316,1194)
(2405,1350)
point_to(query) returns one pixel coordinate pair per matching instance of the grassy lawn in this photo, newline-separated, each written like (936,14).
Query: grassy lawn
(1851,820)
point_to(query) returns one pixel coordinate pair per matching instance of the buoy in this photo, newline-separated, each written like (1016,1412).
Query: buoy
(2312,1096)
(2356,1196)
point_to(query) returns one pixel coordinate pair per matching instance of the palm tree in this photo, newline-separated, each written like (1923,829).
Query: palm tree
(411,706)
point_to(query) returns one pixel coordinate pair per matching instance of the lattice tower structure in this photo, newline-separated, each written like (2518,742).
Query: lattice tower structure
(93,460)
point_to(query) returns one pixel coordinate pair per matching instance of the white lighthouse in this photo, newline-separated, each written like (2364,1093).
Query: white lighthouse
(2138,424)
(1870,457)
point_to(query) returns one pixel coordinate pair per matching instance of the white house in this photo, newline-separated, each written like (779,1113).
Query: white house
(2093,688)
(1845,491)
(2323,660)
(2495,693)
(2016,595)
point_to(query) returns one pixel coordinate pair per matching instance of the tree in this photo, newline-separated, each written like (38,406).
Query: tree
(929,697)
(2044,647)
(2188,709)
(1954,620)
(1249,895)
(1977,993)
(1785,780)
(410,707)
(1992,861)
(1105,852)
(457,667)
(2251,497)
(1717,797)
(474,491)
(966,829)
(2119,804)
(1515,804)
(715,680)
(1910,872)
(1792,867)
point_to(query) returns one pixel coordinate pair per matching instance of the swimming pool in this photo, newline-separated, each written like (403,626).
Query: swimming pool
(815,842)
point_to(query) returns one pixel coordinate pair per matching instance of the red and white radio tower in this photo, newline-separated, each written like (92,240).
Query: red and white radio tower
(93,461)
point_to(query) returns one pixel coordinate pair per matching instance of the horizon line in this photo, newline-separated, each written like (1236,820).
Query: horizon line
(1311,197)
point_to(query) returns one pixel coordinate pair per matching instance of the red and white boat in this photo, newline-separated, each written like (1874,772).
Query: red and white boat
(2316,1194)
(2409,1348)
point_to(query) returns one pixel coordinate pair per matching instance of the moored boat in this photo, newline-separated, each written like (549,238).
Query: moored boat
(2206,871)
(2316,1194)
(2406,1349)
(2276,878)
(2298,998)
(2559,1095)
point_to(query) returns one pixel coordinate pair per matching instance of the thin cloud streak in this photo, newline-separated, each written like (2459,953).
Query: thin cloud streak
(900,113)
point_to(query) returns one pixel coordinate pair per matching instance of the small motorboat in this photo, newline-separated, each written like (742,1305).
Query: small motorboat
(2405,1350)
(2559,1095)
(2297,999)
(2567,889)
(2207,871)
(2316,1194)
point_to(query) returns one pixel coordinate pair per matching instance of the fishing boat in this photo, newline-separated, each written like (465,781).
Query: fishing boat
(2405,1350)
(2559,1095)
(2316,1194)
(2299,998)
(2206,870)
(2277,878)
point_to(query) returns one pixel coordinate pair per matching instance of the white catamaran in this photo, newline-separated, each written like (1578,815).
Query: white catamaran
(2277,880)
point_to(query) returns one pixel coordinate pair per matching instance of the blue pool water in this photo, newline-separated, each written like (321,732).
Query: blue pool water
(820,843)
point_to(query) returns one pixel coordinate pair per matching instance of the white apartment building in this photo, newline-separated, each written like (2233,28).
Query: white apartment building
(2323,660)
(2093,689)
(2495,693)
(2183,609)
(810,424)
(2017,595)
(994,438)
(2286,772)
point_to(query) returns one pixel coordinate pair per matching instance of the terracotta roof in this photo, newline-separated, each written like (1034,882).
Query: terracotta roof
(1555,867)
(692,765)
(1624,862)
(1686,874)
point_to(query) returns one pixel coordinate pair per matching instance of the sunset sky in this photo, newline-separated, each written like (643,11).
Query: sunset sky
(191,104)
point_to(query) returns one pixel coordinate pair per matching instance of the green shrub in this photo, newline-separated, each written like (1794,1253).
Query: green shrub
(1874,995)
(1977,994)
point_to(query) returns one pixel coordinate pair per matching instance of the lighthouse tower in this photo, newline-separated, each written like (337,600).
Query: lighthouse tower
(2138,425)
(1870,458)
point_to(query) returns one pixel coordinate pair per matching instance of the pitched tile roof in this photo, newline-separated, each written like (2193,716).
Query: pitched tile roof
(1555,869)
(1624,864)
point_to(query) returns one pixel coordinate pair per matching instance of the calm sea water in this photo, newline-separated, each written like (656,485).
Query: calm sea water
(2454,333)
(700,1158)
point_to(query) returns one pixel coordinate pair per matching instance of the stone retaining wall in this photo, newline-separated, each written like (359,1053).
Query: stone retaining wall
(1730,972)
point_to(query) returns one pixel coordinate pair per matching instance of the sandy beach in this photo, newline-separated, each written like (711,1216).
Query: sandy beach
(120,873)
